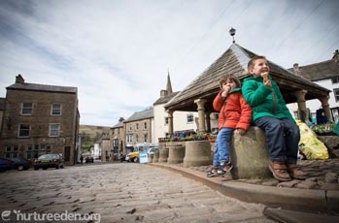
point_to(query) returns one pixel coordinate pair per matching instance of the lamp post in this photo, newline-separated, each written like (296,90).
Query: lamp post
(232,33)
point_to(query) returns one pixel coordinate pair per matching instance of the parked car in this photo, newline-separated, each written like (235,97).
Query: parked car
(5,164)
(122,157)
(89,159)
(132,157)
(152,150)
(20,163)
(49,160)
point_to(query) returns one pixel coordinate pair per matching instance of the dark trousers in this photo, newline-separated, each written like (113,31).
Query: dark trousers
(282,137)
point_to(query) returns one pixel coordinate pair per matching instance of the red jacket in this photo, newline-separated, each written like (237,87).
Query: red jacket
(234,112)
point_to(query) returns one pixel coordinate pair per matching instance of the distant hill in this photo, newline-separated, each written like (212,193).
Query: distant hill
(91,133)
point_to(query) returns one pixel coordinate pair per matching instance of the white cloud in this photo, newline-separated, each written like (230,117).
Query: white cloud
(118,52)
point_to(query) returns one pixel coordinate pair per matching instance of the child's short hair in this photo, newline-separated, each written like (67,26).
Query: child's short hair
(230,77)
(252,61)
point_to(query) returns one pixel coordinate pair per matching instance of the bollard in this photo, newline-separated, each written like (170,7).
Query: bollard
(197,153)
(176,153)
(249,155)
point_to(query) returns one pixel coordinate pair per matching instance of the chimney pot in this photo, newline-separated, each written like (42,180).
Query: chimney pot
(19,79)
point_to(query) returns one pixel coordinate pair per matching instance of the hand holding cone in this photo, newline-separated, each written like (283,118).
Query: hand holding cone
(265,76)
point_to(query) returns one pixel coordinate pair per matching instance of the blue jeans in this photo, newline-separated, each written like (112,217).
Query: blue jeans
(282,137)
(221,146)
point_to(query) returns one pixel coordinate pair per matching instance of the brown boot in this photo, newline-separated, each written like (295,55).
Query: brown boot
(296,172)
(279,170)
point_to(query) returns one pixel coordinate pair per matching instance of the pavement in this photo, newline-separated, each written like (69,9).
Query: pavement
(315,199)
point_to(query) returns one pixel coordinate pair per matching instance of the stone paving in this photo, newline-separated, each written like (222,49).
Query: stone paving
(321,174)
(118,192)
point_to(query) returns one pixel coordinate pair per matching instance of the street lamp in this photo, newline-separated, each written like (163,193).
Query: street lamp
(232,33)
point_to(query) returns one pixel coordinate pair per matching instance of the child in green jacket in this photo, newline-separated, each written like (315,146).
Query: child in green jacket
(270,113)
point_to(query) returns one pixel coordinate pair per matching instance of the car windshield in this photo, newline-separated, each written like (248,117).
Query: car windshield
(48,156)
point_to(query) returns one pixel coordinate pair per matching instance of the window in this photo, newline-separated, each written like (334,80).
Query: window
(24,130)
(129,138)
(54,130)
(145,125)
(166,120)
(189,118)
(31,153)
(12,151)
(145,137)
(137,126)
(136,138)
(26,108)
(56,109)
(335,80)
(336,94)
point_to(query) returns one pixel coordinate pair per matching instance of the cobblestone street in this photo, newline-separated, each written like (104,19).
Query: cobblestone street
(120,192)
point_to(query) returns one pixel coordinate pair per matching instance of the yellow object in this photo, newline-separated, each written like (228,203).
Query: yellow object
(310,145)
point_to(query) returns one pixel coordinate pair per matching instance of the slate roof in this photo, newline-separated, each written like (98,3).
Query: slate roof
(163,100)
(42,87)
(118,125)
(234,61)
(319,71)
(146,114)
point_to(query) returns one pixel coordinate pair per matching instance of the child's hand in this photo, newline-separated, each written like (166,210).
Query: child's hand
(264,75)
(226,88)
(240,131)
(266,80)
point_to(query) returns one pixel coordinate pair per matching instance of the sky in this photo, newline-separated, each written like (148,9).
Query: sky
(118,52)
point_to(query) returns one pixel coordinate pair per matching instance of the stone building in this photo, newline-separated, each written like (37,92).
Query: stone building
(118,137)
(105,144)
(325,74)
(139,127)
(2,108)
(40,119)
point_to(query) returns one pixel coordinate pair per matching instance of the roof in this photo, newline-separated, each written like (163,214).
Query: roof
(119,125)
(42,87)
(165,99)
(234,61)
(146,114)
(319,71)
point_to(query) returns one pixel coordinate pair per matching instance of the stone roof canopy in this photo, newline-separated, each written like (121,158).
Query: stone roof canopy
(234,61)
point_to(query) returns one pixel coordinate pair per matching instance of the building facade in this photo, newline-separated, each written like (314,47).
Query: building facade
(139,128)
(325,74)
(118,137)
(40,119)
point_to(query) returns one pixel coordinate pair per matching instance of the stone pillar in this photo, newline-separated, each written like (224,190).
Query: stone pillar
(249,155)
(163,152)
(156,157)
(176,152)
(302,110)
(326,107)
(170,122)
(208,121)
(201,113)
(197,153)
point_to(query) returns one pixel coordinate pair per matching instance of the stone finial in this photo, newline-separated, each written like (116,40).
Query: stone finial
(296,69)
(336,56)
(19,79)
(163,93)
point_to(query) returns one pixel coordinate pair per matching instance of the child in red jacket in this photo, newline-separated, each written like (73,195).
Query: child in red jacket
(234,114)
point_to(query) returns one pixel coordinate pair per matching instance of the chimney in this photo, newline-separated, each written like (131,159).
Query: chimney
(163,93)
(296,69)
(19,79)
(336,56)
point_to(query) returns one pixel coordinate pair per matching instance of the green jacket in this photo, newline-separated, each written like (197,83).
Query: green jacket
(263,100)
